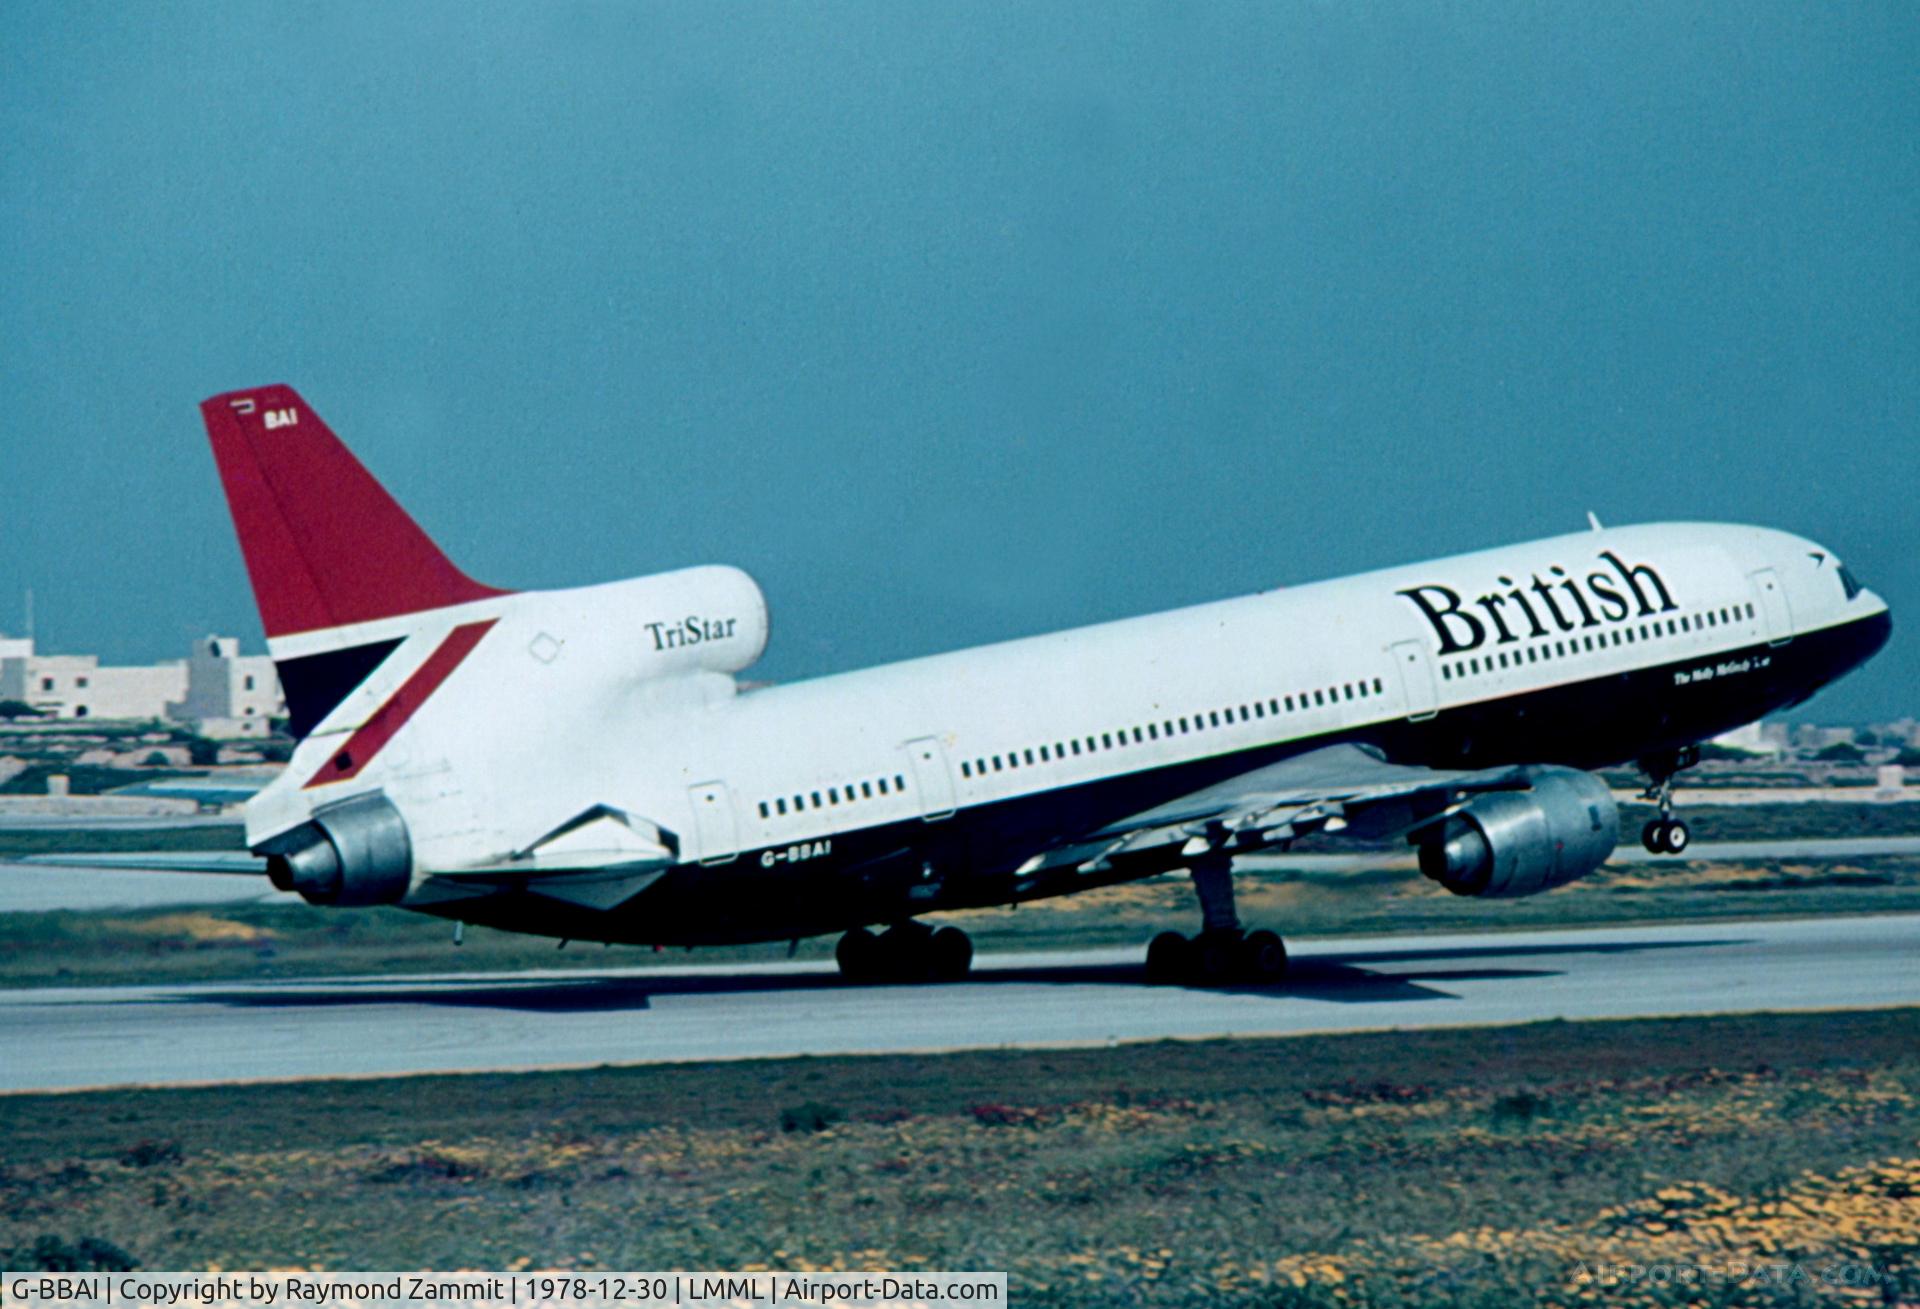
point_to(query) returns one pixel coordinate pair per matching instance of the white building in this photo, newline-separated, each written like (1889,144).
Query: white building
(1756,738)
(222,692)
(228,694)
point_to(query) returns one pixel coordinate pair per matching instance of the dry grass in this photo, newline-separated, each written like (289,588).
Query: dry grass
(1457,1166)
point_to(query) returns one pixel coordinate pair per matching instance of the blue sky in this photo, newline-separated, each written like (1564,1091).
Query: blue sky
(953,323)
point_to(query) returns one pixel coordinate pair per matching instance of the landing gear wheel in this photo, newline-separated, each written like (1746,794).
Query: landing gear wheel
(1666,834)
(1653,836)
(1216,958)
(1167,958)
(949,954)
(859,955)
(904,953)
(1263,957)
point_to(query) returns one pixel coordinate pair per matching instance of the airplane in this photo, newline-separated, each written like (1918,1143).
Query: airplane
(585,764)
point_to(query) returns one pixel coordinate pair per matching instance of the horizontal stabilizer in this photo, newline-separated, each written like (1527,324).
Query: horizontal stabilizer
(237,862)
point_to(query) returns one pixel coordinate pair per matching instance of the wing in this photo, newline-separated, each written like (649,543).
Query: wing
(1338,788)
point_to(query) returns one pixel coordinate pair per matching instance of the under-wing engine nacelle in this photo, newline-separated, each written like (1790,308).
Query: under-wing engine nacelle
(1514,843)
(355,852)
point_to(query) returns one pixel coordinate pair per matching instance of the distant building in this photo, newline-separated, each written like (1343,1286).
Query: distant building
(228,694)
(1810,736)
(219,691)
(1901,731)
(1756,738)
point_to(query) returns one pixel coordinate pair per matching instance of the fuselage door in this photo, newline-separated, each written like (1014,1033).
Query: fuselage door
(1415,667)
(932,778)
(713,825)
(1776,615)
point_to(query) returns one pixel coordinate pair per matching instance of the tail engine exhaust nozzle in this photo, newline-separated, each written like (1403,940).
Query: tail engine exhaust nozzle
(356,852)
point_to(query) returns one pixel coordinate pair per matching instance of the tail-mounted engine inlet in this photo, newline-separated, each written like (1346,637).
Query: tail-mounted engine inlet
(355,852)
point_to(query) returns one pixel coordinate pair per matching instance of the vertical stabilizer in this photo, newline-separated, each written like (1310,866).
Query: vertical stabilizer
(325,545)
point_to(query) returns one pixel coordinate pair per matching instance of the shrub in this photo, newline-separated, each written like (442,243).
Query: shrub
(428,1166)
(50,1254)
(151,1154)
(810,1117)
(1006,1115)
(1520,1107)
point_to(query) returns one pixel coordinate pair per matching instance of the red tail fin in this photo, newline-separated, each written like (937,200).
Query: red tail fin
(325,544)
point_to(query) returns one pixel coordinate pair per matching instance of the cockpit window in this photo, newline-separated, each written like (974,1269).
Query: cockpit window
(1850,582)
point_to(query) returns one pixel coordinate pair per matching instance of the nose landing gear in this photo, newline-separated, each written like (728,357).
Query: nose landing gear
(1666,834)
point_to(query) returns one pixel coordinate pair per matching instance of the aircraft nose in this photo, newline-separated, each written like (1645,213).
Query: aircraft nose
(1878,629)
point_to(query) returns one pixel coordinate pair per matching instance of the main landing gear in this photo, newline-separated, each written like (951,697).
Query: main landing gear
(1222,953)
(905,952)
(1666,834)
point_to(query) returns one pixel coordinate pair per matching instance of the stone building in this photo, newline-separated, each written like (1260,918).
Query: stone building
(216,689)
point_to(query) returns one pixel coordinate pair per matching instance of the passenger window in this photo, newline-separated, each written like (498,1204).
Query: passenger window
(966,770)
(1259,710)
(833,792)
(1045,758)
(763,808)
(1075,743)
(1319,697)
(882,784)
(899,783)
(866,788)
(781,805)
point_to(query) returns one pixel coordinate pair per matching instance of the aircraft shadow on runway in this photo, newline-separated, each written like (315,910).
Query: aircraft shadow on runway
(1335,978)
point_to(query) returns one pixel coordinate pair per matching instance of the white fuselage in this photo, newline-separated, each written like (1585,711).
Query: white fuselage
(589,697)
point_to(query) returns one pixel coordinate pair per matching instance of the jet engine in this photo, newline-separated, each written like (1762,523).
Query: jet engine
(352,853)
(1513,843)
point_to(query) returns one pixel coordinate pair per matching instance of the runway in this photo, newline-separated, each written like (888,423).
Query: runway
(35,885)
(62,1039)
